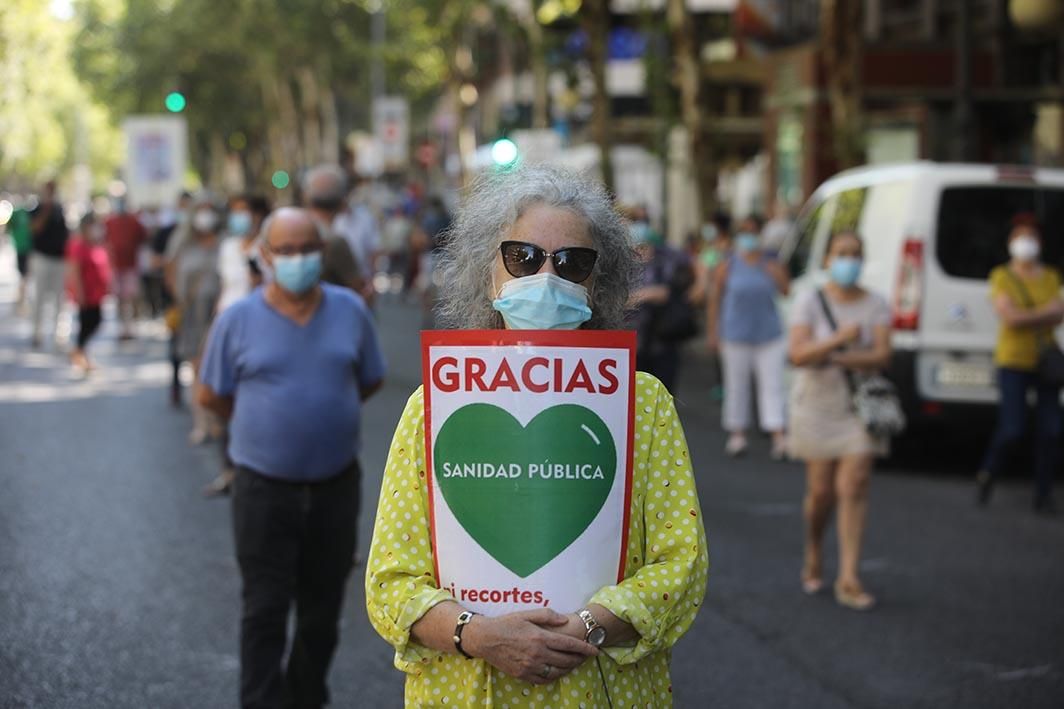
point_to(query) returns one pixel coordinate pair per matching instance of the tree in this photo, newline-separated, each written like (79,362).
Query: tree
(595,19)
(840,36)
(688,79)
(48,120)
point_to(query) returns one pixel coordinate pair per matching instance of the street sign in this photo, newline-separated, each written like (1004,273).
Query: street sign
(156,159)
(391,127)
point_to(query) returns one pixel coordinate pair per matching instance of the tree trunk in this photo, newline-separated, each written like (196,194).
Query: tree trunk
(538,60)
(841,41)
(274,129)
(286,110)
(688,80)
(330,126)
(309,102)
(597,25)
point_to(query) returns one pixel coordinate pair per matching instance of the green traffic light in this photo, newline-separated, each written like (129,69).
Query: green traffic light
(175,102)
(504,152)
(280,179)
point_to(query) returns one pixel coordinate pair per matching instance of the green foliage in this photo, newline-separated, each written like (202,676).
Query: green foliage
(48,119)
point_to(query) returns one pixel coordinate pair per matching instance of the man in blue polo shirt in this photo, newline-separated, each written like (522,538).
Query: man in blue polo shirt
(291,365)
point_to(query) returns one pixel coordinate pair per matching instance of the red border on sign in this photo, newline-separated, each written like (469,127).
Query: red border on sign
(613,339)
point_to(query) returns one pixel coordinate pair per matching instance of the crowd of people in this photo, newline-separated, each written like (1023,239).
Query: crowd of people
(273,312)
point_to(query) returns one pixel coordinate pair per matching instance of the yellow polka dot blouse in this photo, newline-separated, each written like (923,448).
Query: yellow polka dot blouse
(663,589)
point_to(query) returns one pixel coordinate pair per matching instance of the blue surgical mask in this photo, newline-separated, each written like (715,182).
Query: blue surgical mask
(845,270)
(746,242)
(543,301)
(239,223)
(297,274)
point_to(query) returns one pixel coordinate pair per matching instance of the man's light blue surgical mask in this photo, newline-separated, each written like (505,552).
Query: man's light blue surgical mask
(239,223)
(297,274)
(747,242)
(543,301)
(845,270)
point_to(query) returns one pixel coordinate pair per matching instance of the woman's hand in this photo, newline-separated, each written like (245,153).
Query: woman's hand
(526,645)
(849,333)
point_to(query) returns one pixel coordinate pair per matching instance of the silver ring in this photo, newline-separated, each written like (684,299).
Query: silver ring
(545,674)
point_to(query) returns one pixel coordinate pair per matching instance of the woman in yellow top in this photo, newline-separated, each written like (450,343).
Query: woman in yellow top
(1027,299)
(541,657)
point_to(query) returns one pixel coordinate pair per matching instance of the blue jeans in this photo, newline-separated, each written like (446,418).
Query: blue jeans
(1012,423)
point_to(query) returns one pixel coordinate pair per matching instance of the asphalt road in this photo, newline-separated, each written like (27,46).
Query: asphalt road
(118,586)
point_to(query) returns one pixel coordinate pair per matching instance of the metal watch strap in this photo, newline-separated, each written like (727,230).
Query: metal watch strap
(589,621)
(463,620)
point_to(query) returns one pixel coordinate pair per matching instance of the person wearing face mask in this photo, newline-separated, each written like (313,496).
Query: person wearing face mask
(1026,295)
(240,273)
(291,366)
(661,300)
(193,279)
(88,281)
(540,248)
(351,238)
(743,325)
(238,254)
(838,331)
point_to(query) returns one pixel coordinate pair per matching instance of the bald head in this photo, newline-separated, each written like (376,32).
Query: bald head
(290,230)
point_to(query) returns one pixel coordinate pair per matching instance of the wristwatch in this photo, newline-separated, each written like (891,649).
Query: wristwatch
(596,634)
(463,620)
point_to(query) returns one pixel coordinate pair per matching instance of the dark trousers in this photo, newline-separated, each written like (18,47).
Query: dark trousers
(661,360)
(1012,422)
(89,319)
(294,544)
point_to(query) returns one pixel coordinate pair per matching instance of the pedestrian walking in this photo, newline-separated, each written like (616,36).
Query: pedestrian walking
(1026,297)
(292,365)
(18,226)
(663,315)
(47,263)
(839,331)
(125,236)
(540,248)
(324,190)
(88,280)
(193,279)
(743,325)
(171,227)
(240,273)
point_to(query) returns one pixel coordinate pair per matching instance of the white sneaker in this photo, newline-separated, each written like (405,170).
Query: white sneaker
(736,445)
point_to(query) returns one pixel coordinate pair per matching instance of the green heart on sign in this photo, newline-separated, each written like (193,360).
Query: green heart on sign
(524,494)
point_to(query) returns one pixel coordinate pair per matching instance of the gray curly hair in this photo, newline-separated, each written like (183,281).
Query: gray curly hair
(492,206)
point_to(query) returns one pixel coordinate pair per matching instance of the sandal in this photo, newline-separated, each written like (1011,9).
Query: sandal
(812,582)
(854,597)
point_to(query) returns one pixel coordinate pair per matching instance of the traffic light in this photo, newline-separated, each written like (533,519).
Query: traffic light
(504,152)
(175,102)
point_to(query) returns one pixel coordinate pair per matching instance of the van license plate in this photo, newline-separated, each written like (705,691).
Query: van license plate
(964,374)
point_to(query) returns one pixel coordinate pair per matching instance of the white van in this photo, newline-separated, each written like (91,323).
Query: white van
(932,234)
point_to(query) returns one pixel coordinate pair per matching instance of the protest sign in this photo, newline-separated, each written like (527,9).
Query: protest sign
(529,447)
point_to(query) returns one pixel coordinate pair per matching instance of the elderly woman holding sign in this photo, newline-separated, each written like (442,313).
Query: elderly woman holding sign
(538,537)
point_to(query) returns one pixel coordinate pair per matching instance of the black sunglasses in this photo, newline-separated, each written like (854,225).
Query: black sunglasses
(573,263)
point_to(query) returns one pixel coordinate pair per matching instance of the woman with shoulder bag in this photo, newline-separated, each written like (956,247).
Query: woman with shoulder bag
(1027,300)
(837,335)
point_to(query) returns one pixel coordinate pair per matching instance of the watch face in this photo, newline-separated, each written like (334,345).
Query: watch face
(597,636)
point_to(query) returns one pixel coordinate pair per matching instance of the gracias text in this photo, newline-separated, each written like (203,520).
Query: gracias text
(538,375)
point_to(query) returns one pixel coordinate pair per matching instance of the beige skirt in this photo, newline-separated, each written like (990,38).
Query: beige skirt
(823,424)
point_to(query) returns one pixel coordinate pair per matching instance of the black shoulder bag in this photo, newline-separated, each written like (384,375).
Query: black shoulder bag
(875,398)
(1050,358)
